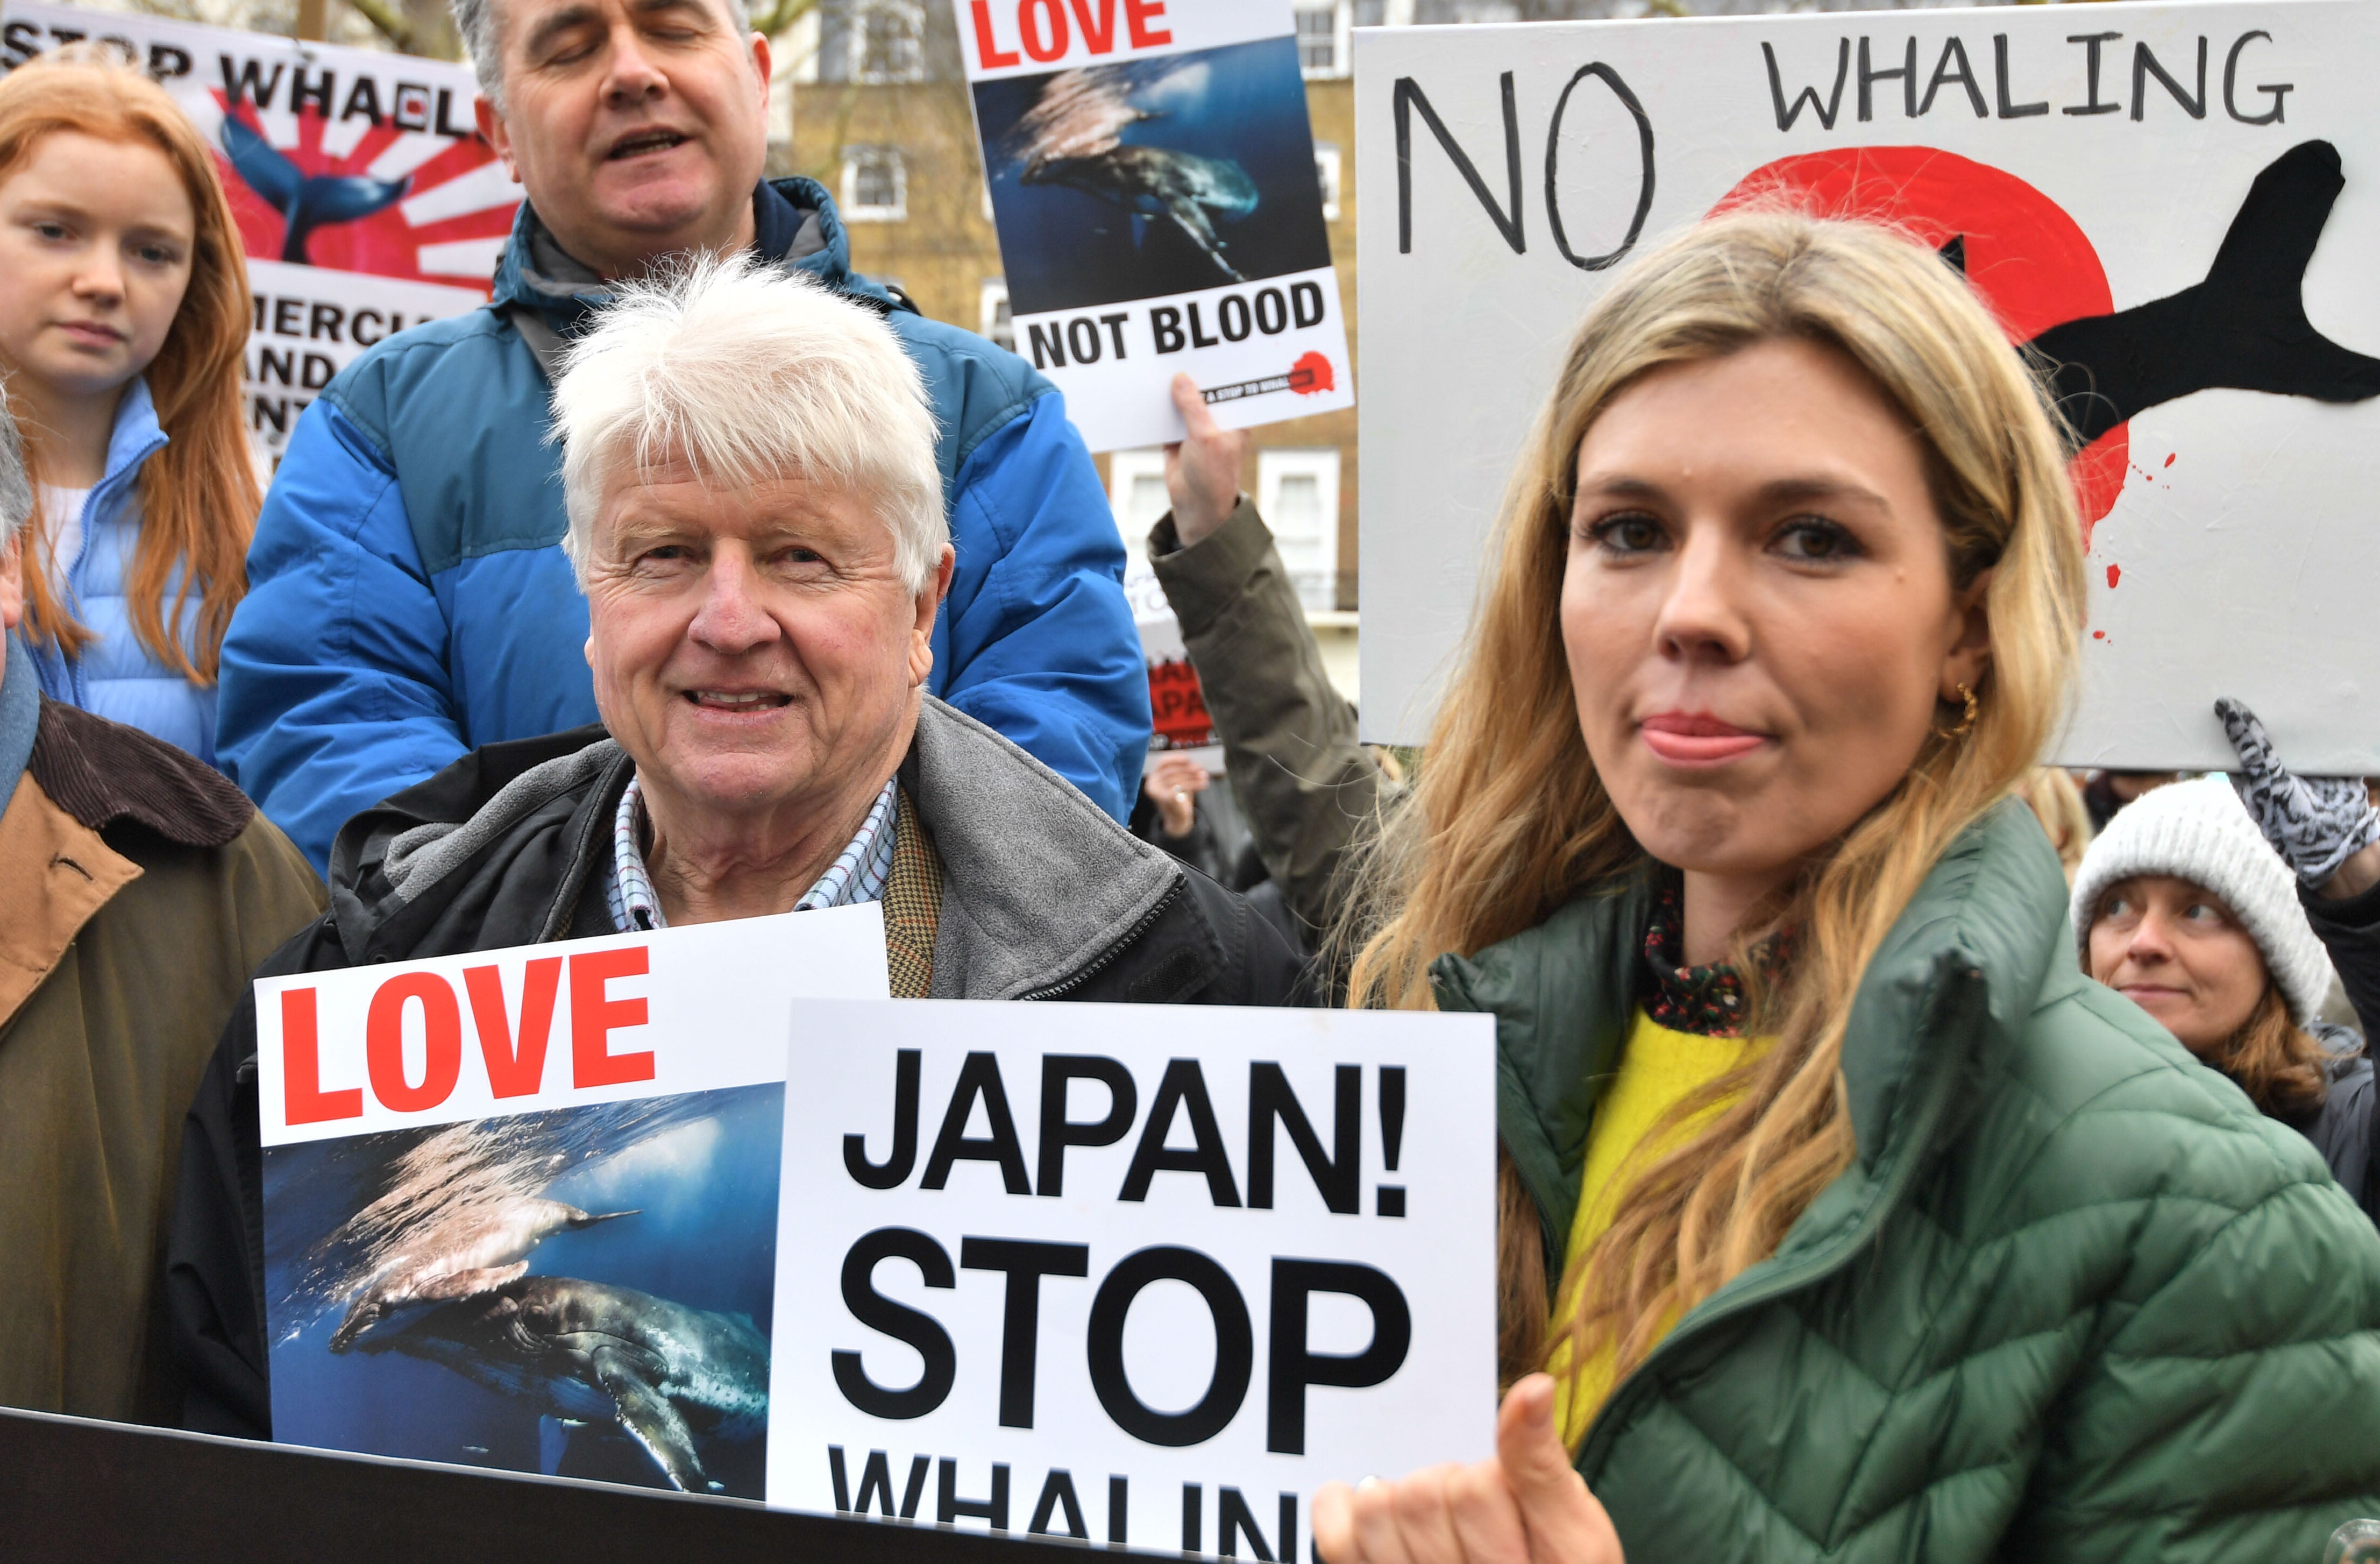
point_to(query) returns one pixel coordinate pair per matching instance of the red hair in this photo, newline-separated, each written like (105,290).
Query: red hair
(199,496)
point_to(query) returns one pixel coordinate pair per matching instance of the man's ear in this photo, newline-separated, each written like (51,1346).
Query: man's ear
(493,131)
(929,606)
(761,66)
(1971,647)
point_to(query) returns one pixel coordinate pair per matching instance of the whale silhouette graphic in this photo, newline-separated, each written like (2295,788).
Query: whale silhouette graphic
(2244,327)
(306,202)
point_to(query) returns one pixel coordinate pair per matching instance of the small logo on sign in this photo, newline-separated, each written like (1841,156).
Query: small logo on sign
(1309,374)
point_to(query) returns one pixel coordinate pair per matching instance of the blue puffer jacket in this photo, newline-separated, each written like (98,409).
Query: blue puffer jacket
(408,600)
(117,677)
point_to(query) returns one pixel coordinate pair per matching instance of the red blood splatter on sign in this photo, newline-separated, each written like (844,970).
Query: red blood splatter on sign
(2168,460)
(2098,635)
(1309,374)
(2030,262)
(2115,574)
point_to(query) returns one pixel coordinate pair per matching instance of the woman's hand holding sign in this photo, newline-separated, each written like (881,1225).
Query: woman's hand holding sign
(1526,1507)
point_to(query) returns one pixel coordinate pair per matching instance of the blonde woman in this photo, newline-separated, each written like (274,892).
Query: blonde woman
(1851,1221)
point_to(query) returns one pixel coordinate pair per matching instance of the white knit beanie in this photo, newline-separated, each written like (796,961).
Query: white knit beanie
(2198,831)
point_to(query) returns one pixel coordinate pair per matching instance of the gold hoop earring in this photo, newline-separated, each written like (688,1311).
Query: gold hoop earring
(1966,720)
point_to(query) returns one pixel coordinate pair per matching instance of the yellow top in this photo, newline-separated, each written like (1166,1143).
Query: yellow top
(1658,1069)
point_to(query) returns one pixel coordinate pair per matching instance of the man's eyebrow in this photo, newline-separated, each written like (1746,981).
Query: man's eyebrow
(555,23)
(654,7)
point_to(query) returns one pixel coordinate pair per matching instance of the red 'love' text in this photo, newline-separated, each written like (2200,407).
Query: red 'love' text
(513,1054)
(1043,31)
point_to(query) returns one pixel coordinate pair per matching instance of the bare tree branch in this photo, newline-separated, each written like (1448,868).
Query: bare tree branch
(781,15)
(386,21)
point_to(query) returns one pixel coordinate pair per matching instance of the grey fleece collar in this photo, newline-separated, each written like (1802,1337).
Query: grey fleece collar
(1038,884)
(418,859)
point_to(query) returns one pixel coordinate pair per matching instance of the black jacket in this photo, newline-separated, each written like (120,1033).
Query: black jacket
(1044,896)
(2347,1127)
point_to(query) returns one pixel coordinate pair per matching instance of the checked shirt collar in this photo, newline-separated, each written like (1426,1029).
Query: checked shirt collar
(857,873)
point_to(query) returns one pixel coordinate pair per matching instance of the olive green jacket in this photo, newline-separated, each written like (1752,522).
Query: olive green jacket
(2074,1300)
(138,889)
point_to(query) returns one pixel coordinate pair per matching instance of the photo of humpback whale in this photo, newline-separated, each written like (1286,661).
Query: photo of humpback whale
(570,1291)
(1196,192)
(1144,178)
(676,1380)
(488,1251)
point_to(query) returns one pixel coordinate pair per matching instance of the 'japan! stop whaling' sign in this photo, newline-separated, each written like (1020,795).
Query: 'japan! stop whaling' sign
(1140,1275)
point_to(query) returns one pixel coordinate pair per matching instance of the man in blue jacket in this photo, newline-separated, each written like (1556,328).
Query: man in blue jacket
(408,600)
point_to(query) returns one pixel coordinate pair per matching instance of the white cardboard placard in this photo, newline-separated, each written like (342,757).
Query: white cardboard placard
(982,1317)
(1151,172)
(2092,165)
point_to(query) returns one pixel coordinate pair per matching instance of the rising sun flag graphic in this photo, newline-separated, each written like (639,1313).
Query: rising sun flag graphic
(359,197)
(367,201)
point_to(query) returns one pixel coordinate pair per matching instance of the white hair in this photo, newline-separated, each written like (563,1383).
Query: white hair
(748,373)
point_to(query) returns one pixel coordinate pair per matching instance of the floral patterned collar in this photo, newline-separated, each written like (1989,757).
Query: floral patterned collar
(1708,1001)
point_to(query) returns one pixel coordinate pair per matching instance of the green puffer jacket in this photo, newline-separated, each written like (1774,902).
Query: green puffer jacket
(2074,1300)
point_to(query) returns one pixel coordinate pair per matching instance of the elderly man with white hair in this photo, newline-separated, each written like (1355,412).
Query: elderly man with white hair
(755,515)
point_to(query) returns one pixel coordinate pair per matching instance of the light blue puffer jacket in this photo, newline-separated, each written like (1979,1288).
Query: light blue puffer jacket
(117,677)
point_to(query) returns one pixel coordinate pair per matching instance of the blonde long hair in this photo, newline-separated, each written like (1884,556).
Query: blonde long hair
(200,495)
(1509,820)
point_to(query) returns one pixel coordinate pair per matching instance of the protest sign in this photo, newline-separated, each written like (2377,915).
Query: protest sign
(365,197)
(1139,1275)
(2175,202)
(1152,177)
(520,1206)
(1178,716)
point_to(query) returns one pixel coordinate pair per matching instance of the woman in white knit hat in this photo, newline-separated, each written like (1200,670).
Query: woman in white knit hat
(2188,905)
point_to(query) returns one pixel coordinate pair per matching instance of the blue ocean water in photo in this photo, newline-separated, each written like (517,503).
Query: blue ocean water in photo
(698,1173)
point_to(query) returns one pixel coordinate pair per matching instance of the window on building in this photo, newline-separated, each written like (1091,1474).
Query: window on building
(887,41)
(1136,495)
(1325,169)
(1318,40)
(1298,492)
(997,323)
(1371,13)
(1136,491)
(875,185)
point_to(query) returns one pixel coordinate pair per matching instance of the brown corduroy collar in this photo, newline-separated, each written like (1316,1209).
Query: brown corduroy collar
(102,772)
